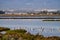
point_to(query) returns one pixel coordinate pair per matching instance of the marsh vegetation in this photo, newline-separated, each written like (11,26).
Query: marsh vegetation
(22,34)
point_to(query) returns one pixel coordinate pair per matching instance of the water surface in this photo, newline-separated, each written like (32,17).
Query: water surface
(34,26)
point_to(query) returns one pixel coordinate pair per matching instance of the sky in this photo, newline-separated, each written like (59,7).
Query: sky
(30,4)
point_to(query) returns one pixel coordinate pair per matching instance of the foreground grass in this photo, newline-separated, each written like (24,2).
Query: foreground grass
(21,34)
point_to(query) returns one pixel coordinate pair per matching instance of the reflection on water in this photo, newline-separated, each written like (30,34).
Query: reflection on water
(33,25)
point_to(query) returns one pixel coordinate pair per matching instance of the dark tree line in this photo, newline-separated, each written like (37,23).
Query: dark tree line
(2,12)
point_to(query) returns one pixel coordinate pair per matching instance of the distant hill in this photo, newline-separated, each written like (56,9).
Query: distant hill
(30,11)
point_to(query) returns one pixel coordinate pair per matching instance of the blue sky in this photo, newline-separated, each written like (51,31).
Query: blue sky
(29,4)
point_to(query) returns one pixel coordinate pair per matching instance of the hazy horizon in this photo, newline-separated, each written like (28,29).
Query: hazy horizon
(29,4)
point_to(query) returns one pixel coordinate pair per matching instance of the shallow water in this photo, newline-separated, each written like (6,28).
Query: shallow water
(34,26)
